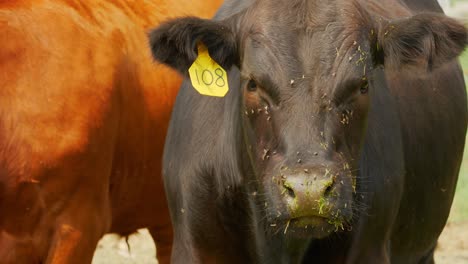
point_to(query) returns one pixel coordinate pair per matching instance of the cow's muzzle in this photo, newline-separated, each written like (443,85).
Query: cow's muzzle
(317,199)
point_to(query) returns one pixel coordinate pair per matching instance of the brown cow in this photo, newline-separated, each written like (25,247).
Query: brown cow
(83,117)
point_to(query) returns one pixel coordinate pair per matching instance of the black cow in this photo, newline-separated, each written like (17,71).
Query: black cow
(339,141)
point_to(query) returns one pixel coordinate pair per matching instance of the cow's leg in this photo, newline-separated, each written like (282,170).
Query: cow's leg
(78,232)
(82,206)
(163,236)
(429,258)
(23,237)
(17,250)
(44,230)
(57,216)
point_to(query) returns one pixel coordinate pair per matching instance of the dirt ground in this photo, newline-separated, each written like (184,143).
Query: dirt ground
(114,250)
(452,248)
(453,244)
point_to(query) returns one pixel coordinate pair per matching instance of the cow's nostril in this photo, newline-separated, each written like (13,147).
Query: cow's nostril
(328,187)
(289,191)
(327,190)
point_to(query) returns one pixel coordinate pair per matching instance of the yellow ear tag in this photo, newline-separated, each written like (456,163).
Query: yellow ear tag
(207,77)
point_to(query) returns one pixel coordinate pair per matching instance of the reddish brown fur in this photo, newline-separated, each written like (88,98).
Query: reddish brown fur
(83,118)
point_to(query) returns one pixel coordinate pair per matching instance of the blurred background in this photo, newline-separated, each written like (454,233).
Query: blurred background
(453,243)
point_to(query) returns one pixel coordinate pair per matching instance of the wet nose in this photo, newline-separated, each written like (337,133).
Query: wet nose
(308,194)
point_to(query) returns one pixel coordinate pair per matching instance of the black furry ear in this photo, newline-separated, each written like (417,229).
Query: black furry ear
(175,42)
(424,41)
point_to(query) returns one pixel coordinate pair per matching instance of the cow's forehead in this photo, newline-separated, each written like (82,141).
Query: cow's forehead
(302,14)
(294,42)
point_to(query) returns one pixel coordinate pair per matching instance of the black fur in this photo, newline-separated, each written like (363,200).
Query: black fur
(175,42)
(427,40)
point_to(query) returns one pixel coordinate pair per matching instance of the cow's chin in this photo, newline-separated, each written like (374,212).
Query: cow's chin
(311,227)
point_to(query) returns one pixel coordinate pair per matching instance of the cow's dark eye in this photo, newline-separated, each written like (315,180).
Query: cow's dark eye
(252,86)
(364,88)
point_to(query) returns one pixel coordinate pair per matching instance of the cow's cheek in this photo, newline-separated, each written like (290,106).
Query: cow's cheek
(259,128)
(353,131)
(356,129)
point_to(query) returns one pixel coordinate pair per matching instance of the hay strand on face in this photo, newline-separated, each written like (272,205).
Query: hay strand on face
(287,226)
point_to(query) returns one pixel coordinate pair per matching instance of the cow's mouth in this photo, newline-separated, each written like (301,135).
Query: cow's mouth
(313,226)
(306,221)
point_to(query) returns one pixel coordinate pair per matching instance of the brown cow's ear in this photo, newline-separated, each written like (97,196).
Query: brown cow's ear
(175,42)
(424,41)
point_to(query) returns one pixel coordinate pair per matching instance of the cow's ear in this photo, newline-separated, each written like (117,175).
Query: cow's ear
(175,42)
(425,41)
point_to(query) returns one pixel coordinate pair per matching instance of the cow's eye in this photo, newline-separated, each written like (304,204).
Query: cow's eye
(252,86)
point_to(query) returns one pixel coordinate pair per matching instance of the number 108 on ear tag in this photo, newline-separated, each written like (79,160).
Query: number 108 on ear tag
(207,77)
